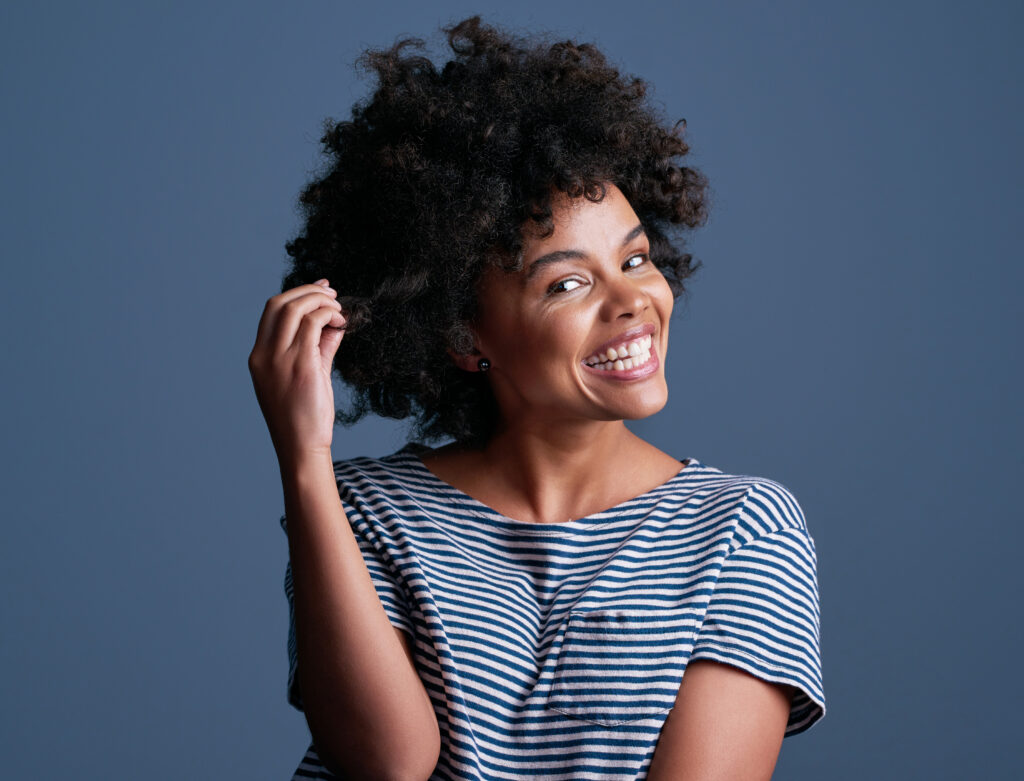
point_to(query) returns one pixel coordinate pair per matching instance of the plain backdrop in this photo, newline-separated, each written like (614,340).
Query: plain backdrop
(854,334)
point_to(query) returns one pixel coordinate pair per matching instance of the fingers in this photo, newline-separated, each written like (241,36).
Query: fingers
(320,330)
(275,307)
(285,329)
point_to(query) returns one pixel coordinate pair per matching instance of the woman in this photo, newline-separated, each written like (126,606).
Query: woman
(492,240)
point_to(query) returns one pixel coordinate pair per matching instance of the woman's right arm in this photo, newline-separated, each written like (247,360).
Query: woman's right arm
(367,709)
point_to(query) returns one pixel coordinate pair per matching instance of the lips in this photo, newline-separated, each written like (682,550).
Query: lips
(634,353)
(621,340)
(621,370)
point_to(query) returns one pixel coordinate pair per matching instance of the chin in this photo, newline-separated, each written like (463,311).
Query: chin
(651,404)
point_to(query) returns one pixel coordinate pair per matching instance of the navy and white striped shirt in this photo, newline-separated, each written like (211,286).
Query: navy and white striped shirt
(556,650)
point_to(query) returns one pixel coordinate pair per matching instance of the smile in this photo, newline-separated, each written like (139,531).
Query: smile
(633,354)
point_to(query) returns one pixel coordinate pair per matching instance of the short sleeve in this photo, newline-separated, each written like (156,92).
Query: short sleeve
(386,581)
(294,696)
(763,617)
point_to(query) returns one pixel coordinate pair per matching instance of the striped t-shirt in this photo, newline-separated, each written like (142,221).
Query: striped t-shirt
(556,650)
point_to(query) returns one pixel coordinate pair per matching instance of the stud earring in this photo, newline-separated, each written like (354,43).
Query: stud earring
(483,364)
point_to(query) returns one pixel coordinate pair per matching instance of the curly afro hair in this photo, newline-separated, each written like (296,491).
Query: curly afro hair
(438,173)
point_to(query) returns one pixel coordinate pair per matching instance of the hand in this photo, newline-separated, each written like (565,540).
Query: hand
(290,364)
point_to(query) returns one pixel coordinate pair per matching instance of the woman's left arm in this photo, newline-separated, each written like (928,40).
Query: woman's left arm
(726,725)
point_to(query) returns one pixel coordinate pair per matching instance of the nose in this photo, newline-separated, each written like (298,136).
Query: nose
(625,298)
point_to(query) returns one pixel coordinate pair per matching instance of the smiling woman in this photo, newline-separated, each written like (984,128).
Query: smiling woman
(547,595)
(584,291)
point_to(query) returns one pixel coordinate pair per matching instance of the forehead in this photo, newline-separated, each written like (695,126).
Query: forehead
(579,221)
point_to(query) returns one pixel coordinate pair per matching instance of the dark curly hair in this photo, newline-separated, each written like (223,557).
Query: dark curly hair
(437,174)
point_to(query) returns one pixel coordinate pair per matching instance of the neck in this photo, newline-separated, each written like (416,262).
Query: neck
(559,471)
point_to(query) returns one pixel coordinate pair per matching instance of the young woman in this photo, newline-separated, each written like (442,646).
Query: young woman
(547,596)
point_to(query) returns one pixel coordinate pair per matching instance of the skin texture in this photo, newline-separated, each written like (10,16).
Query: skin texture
(727,725)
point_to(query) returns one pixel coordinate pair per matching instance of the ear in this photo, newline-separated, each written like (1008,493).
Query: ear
(466,362)
(465,337)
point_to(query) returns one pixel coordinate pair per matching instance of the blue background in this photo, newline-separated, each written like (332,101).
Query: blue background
(854,334)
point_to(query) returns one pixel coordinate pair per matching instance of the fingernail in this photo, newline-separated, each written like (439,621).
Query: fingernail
(321,282)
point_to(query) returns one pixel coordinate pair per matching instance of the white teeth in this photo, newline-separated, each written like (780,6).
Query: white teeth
(626,355)
(620,364)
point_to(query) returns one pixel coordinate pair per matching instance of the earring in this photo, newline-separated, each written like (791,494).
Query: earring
(483,364)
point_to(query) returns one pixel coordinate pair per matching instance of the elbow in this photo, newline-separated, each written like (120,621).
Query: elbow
(398,746)
(420,773)
(416,772)
(369,766)
(418,766)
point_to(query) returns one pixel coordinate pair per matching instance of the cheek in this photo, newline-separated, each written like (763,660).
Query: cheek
(531,340)
(551,341)
(567,333)
(662,295)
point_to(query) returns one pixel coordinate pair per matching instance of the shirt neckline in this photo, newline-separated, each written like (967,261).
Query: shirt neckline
(690,465)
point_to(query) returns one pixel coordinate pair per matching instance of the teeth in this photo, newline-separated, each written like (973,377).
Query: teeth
(620,364)
(626,356)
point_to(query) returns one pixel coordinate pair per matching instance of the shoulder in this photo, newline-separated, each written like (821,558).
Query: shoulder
(385,477)
(756,506)
(394,466)
(771,507)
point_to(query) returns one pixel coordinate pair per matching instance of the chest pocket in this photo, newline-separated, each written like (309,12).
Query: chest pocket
(615,666)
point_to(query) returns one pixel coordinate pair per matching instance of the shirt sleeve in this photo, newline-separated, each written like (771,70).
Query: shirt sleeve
(763,617)
(385,579)
(294,695)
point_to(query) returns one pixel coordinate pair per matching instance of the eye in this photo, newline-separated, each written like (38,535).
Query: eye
(636,260)
(564,286)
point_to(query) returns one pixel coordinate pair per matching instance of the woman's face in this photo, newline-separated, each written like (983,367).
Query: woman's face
(548,330)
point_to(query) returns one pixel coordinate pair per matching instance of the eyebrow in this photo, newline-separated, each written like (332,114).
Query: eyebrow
(573,254)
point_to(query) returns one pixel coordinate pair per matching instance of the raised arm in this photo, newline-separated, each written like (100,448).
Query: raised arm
(367,709)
